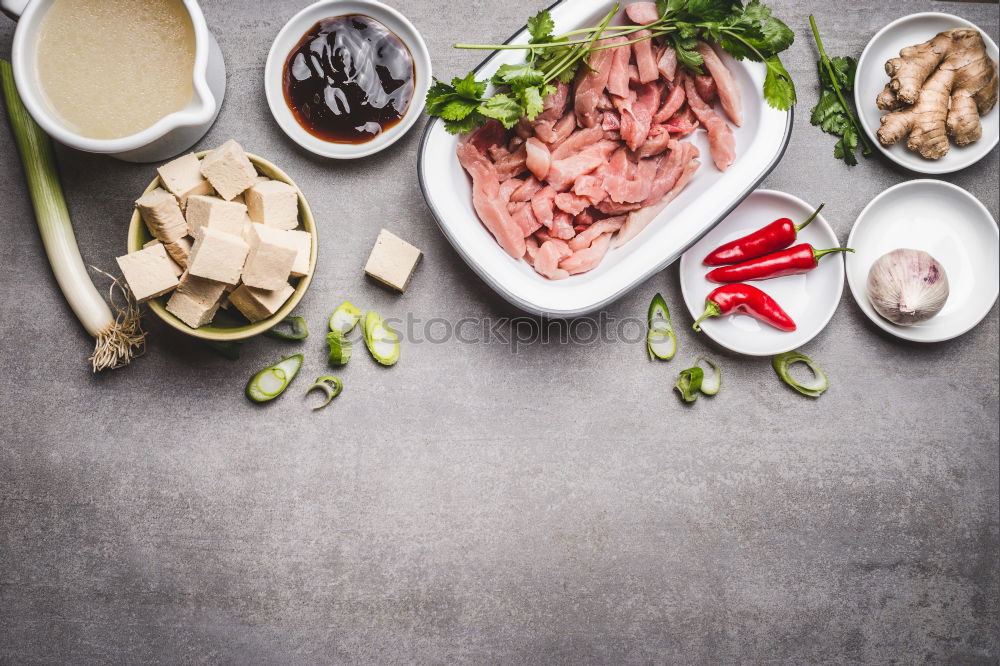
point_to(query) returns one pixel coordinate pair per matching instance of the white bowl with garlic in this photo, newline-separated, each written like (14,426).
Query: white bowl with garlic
(899,286)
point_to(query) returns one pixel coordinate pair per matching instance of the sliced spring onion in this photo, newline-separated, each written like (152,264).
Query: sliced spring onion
(271,382)
(297,326)
(661,342)
(782,364)
(344,318)
(382,341)
(710,385)
(329,385)
(340,348)
(230,349)
(689,383)
(118,335)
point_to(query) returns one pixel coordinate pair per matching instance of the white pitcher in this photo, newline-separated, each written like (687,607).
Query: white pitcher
(169,136)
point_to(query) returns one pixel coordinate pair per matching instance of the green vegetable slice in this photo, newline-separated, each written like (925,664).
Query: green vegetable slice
(340,348)
(710,386)
(331,386)
(296,324)
(689,383)
(271,382)
(344,318)
(783,362)
(382,341)
(660,339)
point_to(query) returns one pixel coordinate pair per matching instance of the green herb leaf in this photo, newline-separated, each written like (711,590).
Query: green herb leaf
(779,91)
(831,113)
(503,108)
(518,75)
(469,87)
(540,27)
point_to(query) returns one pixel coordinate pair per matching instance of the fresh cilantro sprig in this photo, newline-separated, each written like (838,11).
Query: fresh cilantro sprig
(832,113)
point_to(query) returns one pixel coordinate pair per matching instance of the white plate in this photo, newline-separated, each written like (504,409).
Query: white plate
(710,195)
(810,299)
(949,224)
(290,35)
(871,79)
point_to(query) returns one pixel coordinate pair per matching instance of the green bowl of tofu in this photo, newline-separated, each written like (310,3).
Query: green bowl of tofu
(222,244)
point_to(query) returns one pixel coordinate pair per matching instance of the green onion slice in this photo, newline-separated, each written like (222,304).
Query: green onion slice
(382,341)
(660,339)
(297,326)
(271,382)
(331,386)
(340,348)
(344,318)
(689,383)
(710,385)
(783,362)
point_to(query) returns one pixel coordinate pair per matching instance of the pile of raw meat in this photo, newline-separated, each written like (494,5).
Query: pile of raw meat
(604,157)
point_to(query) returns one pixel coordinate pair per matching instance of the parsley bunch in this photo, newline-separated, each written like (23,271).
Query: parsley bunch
(745,32)
(831,113)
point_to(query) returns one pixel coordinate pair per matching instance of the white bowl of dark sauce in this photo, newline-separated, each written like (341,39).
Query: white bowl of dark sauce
(346,78)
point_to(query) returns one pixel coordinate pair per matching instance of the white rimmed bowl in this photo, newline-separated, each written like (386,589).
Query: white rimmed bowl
(949,224)
(810,299)
(709,197)
(289,36)
(871,79)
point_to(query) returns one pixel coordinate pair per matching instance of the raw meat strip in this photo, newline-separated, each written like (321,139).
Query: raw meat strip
(586,259)
(705,85)
(562,173)
(667,63)
(571,203)
(644,60)
(721,142)
(642,13)
(729,93)
(655,143)
(640,219)
(486,200)
(530,250)
(542,204)
(548,257)
(681,152)
(512,164)
(523,215)
(598,228)
(591,187)
(508,187)
(673,103)
(562,130)
(577,141)
(590,85)
(637,113)
(562,226)
(538,158)
(527,190)
(618,77)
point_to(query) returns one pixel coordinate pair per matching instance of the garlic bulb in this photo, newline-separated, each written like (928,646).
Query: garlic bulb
(907,286)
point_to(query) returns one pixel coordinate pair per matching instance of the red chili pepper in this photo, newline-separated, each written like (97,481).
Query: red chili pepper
(775,236)
(793,261)
(743,298)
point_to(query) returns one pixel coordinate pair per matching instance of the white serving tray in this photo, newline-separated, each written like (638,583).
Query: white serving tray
(708,198)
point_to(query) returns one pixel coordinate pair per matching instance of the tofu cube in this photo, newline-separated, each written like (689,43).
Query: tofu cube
(272,255)
(182,178)
(191,311)
(229,170)
(204,211)
(241,198)
(392,261)
(218,256)
(273,203)
(176,267)
(162,215)
(200,289)
(179,250)
(149,272)
(257,304)
(302,242)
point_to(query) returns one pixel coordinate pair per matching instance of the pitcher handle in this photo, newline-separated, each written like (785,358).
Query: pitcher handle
(13,8)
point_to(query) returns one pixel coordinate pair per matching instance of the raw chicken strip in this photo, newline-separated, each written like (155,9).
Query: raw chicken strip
(729,93)
(548,257)
(486,200)
(598,228)
(542,204)
(640,219)
(537,158)
(721,142)
(527,190)
(587,258)
(571,203)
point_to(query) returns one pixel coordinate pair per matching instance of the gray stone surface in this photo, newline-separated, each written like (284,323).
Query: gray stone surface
(557,505)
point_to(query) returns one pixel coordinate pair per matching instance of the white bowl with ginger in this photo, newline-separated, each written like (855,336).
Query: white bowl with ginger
(944,155)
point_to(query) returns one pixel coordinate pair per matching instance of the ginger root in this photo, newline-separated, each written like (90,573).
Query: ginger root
(938,89)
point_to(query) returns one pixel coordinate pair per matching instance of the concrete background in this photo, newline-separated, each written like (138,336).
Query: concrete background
(470,505)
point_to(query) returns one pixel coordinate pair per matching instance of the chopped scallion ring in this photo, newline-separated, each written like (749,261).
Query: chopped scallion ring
(296,324)
(340,348)
(331,386)
(661,342)
(782,364)
(689,383)
(710,386)
(271,382)
(344,318)
(382,341)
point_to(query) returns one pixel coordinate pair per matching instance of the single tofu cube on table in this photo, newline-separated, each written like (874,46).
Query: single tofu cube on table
(162,215)
(229,170)
(196,300)
(182,178)
(272,255)
(156,241)
(392,261)
(218,256)
(179,250)
(302,242)
(149,272)
(273,203)
(257,304)
(204,211)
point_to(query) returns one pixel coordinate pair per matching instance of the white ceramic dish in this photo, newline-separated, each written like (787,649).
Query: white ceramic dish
(953,227)
(810,299)
(290,35)
(711,195)
(871,79)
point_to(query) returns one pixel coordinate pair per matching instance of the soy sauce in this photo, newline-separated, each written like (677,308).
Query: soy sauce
(348,79)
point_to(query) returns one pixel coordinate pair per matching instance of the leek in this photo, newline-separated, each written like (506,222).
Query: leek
(118,336)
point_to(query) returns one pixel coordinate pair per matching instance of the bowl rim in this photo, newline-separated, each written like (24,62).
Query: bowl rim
(927,167)
(299,23)
(137,232)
